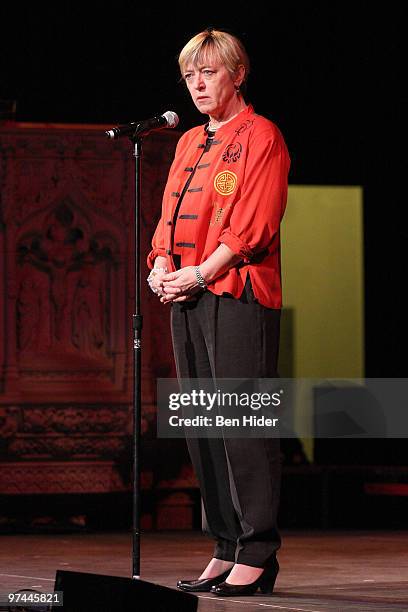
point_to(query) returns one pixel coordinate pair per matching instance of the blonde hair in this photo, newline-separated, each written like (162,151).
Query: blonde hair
(215,44)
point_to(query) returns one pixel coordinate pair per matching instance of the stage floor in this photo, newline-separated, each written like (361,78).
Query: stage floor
(320,571)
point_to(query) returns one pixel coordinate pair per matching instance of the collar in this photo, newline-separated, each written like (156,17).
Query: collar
(237,120)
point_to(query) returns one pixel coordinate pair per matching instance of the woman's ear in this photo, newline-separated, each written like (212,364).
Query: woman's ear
(239,76)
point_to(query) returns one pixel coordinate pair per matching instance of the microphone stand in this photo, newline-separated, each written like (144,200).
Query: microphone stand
(86,592)
(137,321)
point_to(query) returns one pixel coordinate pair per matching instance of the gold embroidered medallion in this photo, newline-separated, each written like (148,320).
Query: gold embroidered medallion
(225,182)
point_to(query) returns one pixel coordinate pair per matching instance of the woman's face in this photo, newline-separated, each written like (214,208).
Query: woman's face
(212,87)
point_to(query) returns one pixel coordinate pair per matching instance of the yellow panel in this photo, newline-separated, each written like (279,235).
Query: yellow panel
(322,270)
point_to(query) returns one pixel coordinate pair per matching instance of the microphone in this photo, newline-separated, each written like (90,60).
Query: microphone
(169,119)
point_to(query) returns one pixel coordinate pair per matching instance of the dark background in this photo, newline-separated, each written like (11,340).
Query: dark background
(330,74)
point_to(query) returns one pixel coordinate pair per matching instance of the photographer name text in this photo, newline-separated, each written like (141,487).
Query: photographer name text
(221,421)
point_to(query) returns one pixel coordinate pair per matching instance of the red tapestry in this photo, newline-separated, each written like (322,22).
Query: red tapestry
(66,304)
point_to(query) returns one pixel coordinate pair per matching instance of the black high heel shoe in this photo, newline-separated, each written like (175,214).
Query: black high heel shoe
(202,585)
(265,583)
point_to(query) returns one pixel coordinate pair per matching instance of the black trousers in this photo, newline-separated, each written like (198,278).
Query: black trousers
(239,479)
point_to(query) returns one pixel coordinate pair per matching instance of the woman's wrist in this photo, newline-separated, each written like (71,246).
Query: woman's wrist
(218,263)
(200,279)
(206,271)
(160,262)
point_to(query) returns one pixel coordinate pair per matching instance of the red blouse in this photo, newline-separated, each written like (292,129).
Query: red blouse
(236,195)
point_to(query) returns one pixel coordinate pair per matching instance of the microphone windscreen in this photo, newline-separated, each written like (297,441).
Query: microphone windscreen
(171,118)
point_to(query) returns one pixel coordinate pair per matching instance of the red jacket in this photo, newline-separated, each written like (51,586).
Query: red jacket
(237,195)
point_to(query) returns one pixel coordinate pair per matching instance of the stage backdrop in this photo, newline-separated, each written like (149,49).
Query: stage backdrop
(67,291)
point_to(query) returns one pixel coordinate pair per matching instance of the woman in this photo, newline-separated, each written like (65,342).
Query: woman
(216,259)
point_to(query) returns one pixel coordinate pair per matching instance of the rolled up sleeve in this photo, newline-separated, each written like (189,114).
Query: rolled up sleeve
(157,244)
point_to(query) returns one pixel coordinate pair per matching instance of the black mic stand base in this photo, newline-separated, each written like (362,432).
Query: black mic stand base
(83,592)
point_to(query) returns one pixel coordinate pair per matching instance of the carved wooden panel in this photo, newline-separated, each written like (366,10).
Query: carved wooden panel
(66,300)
